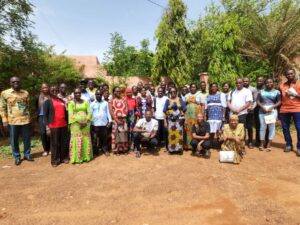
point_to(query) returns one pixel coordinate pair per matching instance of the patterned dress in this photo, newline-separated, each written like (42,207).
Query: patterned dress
(119,134)
(193,108)
(80,143)
(143,104)
(174,112)
(215,105)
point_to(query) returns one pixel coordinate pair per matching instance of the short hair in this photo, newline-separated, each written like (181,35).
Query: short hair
(288,69)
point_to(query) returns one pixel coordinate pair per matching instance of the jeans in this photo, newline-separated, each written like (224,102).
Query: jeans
(137,141)
(99,138)
(264,126)
(15,131)
(286,122)
(59,145)
(44,137)
(161,132)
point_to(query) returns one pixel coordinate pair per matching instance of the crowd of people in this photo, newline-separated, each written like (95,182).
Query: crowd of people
(77,127)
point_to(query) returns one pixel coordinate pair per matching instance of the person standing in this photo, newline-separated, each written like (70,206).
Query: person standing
(226,92)
(259,87)
(203,90)
(91,88)
(268,100)
(85,95)
(194,105)
(145,131)
(159,104)
(132,114)
(101,122)
(56,121)
(200,133)
(63,94)
(290,108)
(174,121)
(79,120)
(39,102)
(119,111)
(14,110)
(143,103)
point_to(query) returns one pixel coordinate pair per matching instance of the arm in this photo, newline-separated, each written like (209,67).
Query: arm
(183,105)
(205,137)
(46,106)
(246,106)
(3,110)
(137,127)
(71,107)
(108,114)
(258,102)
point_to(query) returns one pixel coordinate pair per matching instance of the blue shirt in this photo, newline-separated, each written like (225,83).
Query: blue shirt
(100,113)
(268,98)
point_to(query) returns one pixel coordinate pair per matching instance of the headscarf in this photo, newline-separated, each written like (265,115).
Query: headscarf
(234,117)
(128,90)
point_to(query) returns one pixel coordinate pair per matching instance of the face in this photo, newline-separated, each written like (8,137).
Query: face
(129,94)
(203,86)
(63,88)
(105,94)
(105,87)
(193,89)
(214,88)
(225,88)
(160,92)
(140,85)
(134,90)
(45,88)
(143,92)
(147,86)
(152,90)
(98,95)
(260,81)
(117,92)
(200,118)
(290,75)
(15,83)
(173,92)
(148,116)
(233,123)
(53,91)
(90,84)
(184,90)
(77,94)
(163,85)
(239,84)
(246,82)
(82,87)
(269,84)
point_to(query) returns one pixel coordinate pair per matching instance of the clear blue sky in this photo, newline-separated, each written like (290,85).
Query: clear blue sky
(83,27)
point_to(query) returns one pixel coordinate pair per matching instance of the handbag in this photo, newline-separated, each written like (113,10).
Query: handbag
(270,119)
(227,156)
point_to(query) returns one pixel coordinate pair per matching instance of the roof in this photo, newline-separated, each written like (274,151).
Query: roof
(91,65)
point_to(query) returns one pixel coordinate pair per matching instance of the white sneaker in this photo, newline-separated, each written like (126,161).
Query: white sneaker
(45,154)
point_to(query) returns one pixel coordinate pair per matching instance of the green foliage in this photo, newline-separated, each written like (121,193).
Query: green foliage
(123,60)
(173,43)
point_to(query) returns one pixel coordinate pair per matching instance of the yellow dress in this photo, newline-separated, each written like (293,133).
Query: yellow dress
(230,145)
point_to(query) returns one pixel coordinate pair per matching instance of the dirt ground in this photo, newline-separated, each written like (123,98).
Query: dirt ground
(155,189)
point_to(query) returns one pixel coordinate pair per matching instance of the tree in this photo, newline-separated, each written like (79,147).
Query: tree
(173,43)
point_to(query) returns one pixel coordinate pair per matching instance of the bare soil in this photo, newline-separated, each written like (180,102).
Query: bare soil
(155,189)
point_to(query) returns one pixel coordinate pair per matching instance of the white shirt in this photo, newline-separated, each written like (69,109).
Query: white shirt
(148,126)
(159,107)
(239,98)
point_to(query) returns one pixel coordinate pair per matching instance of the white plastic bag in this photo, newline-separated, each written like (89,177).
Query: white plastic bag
(227,156)
(269,119)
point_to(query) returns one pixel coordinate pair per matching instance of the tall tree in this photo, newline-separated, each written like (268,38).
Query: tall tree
(173,42)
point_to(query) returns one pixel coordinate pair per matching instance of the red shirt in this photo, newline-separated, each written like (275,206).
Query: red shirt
(131,103)
(290,105)
(59,119)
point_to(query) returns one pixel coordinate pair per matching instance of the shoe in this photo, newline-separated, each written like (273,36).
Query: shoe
(45,154)
(261,148)
(298,152)
(18,162)
(288,148)
(54,165)
(250,145)
(206,154)
(137,154)
(29,159)
(66,161)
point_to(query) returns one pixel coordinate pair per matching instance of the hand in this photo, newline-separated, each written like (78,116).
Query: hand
(5,125)
(48,131)
(108,125)
(264,109)
(83,125)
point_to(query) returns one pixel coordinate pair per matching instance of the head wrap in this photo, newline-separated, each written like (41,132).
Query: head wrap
(128,90)
(234,117)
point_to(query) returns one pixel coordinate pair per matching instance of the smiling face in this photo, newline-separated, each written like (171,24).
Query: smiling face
(45,89)
(53,91)
(143,92)
(260,82)
(214,88)
(15,83)
(173,93)
(200,118)
(239,84)
(77,94)
(290,75)
(269,84)
(63,88)
(225,88)
(117,92)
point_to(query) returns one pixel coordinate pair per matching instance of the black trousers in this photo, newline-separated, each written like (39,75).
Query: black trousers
(205,145)
(44,138)
(162,132)
(249,126)
(59,145)
(99,140)
(137,141)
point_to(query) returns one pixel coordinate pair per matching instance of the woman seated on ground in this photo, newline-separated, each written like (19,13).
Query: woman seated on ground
(234,138)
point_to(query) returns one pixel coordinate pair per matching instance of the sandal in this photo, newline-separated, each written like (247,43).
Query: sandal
(261,148)
(269,149)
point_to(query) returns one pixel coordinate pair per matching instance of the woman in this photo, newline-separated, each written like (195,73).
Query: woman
(193,108)
(268,101)
(143,103)
(234,138)
(79,120)
(118,111)
(174,116)
(226,92)
(132,113)
(56,120)
(215,105)
(39,102)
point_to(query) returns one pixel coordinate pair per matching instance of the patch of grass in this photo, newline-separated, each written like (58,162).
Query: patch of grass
(6,152)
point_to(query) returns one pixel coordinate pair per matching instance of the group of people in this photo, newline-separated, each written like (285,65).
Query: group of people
(76,127)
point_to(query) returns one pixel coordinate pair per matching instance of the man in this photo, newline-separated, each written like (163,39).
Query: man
(290,107)
(203,91)
(259,86)
(163,86)
(91,87)
(14,110)
(184,91)
(239,101)
(159,104)
(140,85)
(84,94)
(101,121)
(200,132)
(145,131)
(250,114)
(152,92)
(63,94)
